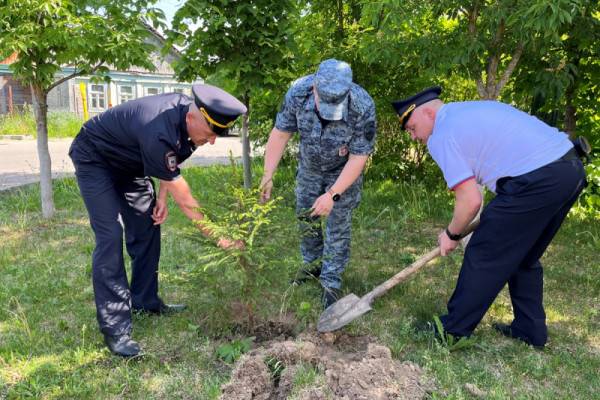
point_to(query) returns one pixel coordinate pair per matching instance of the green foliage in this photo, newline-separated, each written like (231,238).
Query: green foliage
(19,123)
(248,40)
(397,48)
(88,35)
(232,351)
(237,214)
(304,309)
(589,201)
(60,124)
(275,366)
(51,347)
(396,155)
(558,84)
(449,340)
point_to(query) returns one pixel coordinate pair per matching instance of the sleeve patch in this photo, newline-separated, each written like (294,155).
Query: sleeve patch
(370,130)
(171,161)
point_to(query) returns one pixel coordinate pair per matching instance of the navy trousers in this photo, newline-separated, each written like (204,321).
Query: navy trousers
(516,228)
(114,202)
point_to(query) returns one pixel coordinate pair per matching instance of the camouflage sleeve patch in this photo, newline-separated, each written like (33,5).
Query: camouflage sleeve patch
(370,130)
(365,131)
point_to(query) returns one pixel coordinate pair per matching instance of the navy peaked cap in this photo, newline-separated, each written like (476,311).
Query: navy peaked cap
(218,107)
(404,108)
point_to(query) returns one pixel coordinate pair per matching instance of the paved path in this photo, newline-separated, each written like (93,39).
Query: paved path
(19,163)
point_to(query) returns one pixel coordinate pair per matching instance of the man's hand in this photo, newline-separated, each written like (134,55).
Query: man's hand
(160,211)
(266,186)
(228,244)
(322,206)
(446,244)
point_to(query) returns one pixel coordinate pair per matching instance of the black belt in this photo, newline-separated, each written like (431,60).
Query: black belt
(569,155)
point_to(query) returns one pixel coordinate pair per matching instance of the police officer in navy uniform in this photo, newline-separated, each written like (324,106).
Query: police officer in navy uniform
(115,155)
(537,176)
(335,119)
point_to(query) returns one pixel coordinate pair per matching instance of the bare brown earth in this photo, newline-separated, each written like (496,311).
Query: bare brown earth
(354,368)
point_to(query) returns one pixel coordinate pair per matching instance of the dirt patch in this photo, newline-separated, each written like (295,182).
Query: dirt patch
(353,368)
(280,328)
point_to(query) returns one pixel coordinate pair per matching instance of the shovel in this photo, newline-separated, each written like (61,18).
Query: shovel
(350,307)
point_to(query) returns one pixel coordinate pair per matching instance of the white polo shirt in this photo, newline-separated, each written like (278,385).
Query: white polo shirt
(488,140)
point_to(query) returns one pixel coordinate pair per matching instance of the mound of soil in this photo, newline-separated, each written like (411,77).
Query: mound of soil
(354,368)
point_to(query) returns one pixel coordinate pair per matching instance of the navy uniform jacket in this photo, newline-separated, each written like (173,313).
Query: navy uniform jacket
(143,137)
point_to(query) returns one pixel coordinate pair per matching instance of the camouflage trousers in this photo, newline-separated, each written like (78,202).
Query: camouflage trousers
(330,251)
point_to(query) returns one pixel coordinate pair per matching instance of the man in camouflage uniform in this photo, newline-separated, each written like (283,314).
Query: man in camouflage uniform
(336,122)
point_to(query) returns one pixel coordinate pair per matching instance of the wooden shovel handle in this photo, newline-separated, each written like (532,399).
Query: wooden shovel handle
(413,268)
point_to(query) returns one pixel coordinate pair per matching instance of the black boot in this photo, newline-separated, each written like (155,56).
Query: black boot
(330,296)
(162,309)
(122,345)
(507,331)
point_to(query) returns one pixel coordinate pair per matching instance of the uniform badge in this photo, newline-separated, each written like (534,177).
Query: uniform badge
(171,161)
(370,131)
(343,151)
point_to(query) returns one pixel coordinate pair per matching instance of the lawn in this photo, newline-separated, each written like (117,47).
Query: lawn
(50,346)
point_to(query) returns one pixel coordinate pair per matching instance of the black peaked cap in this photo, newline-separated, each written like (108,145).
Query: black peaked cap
(221,109)
(404,108)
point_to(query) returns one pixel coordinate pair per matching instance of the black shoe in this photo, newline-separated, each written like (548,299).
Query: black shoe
(330,296)
(122,345)
(162,309)
(305,275)
(506,330)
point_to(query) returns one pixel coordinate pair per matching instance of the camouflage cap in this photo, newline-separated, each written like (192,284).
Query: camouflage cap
(332,82)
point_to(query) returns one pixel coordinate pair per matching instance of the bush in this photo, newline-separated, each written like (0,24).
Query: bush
(589,201)
(398,157)
(19,123)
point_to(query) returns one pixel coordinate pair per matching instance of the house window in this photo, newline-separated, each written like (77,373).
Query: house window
(178,90)
(125,93)
(152,90)
(97,97)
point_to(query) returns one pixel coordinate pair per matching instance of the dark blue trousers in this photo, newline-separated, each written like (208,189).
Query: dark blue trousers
(119,204)
(516,228)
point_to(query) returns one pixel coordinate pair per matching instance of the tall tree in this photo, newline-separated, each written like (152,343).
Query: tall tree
(561,83)
(481,40)
(88,35)
(249,40)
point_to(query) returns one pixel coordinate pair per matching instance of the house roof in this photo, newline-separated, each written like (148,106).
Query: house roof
(10,59)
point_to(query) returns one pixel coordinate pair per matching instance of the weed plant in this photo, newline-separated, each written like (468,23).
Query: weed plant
(61,124)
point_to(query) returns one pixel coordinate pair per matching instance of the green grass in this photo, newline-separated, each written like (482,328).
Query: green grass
(61,124)
(50,346)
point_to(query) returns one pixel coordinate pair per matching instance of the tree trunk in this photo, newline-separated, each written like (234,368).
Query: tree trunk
(490,90)
(340,20)
(246,147)
(40,110)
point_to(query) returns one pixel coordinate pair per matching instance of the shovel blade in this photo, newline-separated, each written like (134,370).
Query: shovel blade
(342,312)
